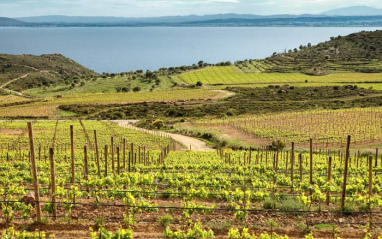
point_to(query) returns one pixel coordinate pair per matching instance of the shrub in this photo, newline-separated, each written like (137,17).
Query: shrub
(120,233)
(165,220)
(292,206)
(269,203)
(158,124)
(136,89)
(99,222)
(274,145)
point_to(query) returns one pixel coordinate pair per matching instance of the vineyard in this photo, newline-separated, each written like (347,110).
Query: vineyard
(93,174)
(232,75)
(285,147)
(11,100)
(47,107)
(327,127)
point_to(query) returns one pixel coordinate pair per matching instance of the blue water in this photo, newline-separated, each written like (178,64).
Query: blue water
(130,49)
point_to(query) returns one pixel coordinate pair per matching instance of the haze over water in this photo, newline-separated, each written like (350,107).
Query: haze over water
(150,48)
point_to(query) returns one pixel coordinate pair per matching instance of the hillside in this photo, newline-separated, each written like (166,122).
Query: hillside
(39,71)
(354,11)
(4,21)
(228,20)
(357,52)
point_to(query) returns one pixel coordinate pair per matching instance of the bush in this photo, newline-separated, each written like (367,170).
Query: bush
(269,203)
(136,89)
(165,220)
(158,124)
(230,112)
(99,222)
(291,205)
(118,115)
(281,146)
(120,233)
(199,83)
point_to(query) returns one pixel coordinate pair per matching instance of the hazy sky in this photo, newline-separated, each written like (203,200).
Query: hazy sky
(145,8)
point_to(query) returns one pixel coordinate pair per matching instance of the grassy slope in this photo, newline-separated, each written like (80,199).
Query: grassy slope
(360,52)
(98,85)
(245,101)
(339,61)
(44,70)
(228,75)
(48,107)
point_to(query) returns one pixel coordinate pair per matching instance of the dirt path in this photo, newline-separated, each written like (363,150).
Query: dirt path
(189,142)
(11,81)
(231,133)
(223,94)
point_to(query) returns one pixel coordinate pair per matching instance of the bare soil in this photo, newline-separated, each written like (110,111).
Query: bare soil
(83,217)
(189,142)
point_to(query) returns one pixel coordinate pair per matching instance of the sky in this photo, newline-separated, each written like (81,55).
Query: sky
(151,8)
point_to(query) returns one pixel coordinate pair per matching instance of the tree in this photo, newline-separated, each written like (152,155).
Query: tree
(199,83)
(158,123)
(136,89)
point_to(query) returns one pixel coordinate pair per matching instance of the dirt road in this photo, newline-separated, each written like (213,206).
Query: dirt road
(189,142)
(11,81)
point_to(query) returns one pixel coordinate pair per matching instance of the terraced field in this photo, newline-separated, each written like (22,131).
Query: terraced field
(47,107)
(231,75)
(326,127)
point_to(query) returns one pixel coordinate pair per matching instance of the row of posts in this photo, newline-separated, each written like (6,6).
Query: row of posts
(161,158)
(227,159)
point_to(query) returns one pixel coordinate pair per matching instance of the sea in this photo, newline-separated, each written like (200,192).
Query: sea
(123,49)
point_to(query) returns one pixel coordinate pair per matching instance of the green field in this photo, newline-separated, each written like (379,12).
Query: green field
(47,107)
(99,85)
(326,127)
(229,75)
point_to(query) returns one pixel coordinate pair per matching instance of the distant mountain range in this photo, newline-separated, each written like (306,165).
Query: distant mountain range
(351,16)
(354,11)
(4,21)
(153,20)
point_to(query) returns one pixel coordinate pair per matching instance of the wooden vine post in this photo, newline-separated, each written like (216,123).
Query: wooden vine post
(292,163)
(53,181)
(329,180)
(370,175)
(86,171)
(300,167)
(132,153)
(277,156)
(130,157)
(118,162)
(112,154)
(311,163)
(105,152)
(34,172)
(345,173)
(97,153)
(370,189)
(376,157)
(72,152)
(124,154)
